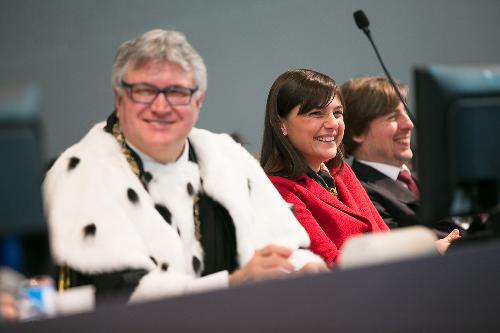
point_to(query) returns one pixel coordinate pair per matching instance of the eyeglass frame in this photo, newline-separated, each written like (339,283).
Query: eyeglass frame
(164,91)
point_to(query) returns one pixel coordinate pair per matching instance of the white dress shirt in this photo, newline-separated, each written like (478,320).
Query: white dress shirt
(390,171)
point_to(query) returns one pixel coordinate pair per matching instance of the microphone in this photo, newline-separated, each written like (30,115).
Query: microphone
(362,22)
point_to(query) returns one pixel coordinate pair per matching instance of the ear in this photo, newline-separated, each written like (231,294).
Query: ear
(359,139)
(198,102)
(118,98)
(284,127)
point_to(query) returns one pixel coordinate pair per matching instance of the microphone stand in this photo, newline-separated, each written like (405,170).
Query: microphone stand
(389,77)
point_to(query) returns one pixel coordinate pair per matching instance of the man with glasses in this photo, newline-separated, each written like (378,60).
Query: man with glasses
(149,206)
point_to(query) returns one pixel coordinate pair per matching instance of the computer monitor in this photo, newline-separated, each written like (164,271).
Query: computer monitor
(20,161)
(458,135)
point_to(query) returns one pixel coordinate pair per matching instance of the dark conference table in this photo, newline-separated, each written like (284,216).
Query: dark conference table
(459,292)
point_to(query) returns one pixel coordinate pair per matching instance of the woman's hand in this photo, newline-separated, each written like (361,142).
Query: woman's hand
(269,262)
(443,243)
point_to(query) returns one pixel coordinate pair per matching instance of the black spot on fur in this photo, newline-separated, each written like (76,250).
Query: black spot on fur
(164,267)
(190,189)
(201,182)
(89,230)
(292,208)
(164,212)
(196,264)
(132,196)
(73,162)
(147,176)
(179,231)
(153,260)
(249,184)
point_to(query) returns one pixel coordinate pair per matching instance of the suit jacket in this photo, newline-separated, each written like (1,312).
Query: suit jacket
(328,220)
(397,205)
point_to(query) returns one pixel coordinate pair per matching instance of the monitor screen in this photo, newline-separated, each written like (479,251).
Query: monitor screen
(458,133)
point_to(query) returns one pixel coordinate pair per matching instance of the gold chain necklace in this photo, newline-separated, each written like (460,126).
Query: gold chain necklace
(333,189)
(196,216)
(134,166)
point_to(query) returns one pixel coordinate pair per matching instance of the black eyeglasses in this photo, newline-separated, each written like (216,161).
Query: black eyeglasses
(145,93)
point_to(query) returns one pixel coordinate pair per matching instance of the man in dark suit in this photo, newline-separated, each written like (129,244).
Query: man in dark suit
(395,203)
(378,136)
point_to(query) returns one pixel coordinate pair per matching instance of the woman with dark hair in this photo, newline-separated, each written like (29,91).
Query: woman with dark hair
(302,155)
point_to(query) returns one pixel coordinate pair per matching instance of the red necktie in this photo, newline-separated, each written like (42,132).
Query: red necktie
(405,177)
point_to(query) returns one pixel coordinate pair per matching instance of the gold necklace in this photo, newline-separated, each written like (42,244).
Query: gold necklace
(333,189)
(117,133)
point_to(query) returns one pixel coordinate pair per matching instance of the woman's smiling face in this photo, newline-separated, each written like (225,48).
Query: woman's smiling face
(316,134)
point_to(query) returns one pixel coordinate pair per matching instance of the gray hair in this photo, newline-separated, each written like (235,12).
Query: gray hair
(158,45)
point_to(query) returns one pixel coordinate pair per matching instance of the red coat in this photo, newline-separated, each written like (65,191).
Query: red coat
(330,221)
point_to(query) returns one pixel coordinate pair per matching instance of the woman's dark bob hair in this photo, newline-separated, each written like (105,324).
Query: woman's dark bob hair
(309,90)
